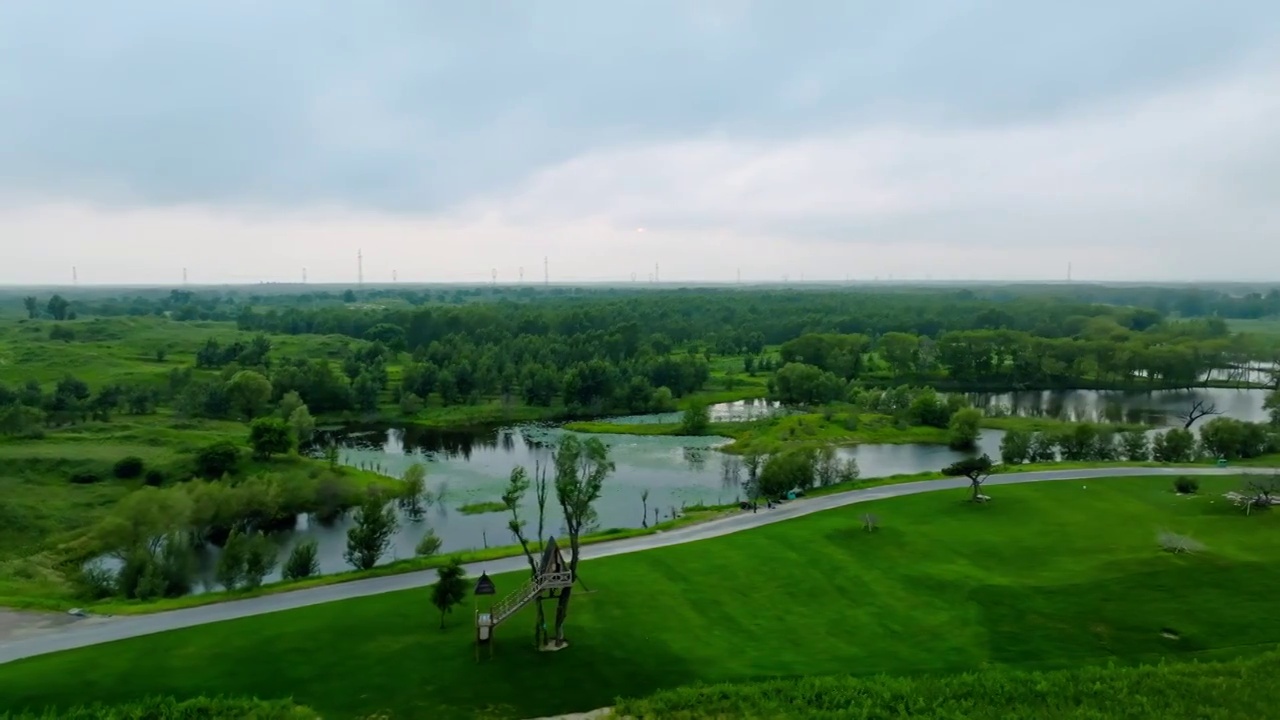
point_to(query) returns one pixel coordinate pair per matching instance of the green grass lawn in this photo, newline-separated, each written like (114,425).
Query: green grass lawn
(1046,575)
(1262,326)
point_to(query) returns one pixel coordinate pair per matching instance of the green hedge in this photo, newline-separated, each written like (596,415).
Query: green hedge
(170,709)
(1241,689)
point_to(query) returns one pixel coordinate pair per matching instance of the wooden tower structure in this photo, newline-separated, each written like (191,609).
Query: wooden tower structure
(553,576)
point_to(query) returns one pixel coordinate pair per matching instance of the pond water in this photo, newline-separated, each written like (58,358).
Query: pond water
(473,466)
(1160,407)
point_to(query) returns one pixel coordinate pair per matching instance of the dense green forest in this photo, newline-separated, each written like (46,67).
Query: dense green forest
(596,352)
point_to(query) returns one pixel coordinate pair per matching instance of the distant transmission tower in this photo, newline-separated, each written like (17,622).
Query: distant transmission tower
(184,276)
(360,268)
(75,279)
(521,274)
(394,276)
(655,274)
(493,274)
(304,276)
(546,274)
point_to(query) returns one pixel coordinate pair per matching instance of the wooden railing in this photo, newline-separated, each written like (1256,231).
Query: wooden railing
(512,603)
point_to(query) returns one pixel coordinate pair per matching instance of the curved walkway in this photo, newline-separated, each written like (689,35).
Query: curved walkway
(94,631)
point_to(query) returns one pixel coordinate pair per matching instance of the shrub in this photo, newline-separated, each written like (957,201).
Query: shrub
(229,570)
(85,478)
(216,460)
(94,582)
(429,545)
(1186,485)
(154,477)
(259,560)
(302,561)
(128,468)
(270,436)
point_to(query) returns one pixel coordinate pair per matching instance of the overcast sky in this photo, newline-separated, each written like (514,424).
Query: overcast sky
(952,139)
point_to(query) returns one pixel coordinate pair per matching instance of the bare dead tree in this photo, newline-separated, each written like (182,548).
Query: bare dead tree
(540,492)
(1264,490)
(1198,409)
(517,486)
(644,508)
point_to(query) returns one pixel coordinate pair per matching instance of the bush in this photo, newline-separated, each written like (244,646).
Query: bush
(154,478)
(270,436)
(302,561)
(128,468)
(429,545)
(216,460)
(259,560)
(94,582)
(1186,485)
(85,478)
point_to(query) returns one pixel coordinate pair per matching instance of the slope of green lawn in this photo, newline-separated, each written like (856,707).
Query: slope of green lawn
(1242,688)
(1047,575)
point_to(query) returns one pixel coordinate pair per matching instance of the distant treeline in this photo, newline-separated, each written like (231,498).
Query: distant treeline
(1228,301)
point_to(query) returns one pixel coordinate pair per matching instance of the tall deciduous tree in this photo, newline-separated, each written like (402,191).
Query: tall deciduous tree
(411,495)
(371,536)
(32,306)
(58,307)
(581,468)
(249,392)
(696,419)
(302,425)
(963,429)
(270,436)
(1272,405)
(517,487)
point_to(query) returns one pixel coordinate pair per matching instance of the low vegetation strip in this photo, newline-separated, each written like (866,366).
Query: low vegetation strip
(1241,688)
(482,507)
(169,709)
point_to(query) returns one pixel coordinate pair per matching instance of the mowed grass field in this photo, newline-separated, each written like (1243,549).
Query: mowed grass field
(1047,575)
(1261,326)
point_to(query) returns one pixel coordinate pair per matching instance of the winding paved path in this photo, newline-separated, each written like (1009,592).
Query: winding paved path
(93,631)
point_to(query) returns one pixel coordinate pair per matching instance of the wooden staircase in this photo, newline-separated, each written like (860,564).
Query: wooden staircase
(527,593)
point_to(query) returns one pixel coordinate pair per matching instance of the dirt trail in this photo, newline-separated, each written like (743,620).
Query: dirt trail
(22,624)
(600,714)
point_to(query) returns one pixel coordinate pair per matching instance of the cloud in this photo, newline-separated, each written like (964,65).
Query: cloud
(946,139)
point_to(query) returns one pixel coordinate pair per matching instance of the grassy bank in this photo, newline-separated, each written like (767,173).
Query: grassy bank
(969,585)
(494,411)
(1240,688)
(827,427)
(55,490)
(172,709)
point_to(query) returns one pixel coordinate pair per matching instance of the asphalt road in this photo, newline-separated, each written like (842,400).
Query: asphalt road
(102,630)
